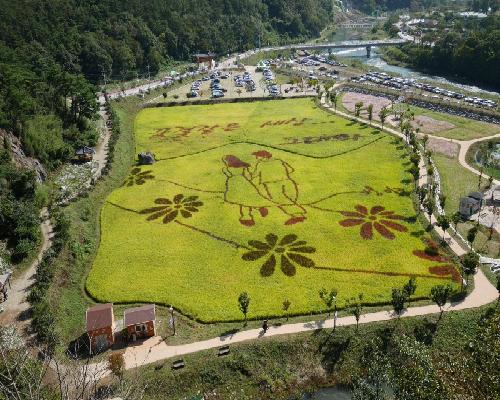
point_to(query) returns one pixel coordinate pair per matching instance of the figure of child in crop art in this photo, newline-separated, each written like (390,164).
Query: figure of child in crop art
(240,190)
(267,184)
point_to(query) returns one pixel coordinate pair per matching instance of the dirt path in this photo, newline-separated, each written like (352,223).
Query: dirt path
(16,306)
(101,150)
(155,349)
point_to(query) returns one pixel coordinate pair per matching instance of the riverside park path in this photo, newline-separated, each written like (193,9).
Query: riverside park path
(156,350)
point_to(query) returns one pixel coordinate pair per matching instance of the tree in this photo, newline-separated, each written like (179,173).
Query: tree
(25,377)
(415,158)
(430,172)
(369,109)
(357,108)
(328,298)
(398,301)
(456,217)
(429,206)
(409,288)
(285,306)
(333,98)
(421,193)
(405,129)
(470,263)
(375,365)
(355,307)
(471,234)
(244,303)
(116,364)
(442,200)
(440,294)
(443,222)
(415,172)
(383,113)
(498,287)
(425,140)
(413,374)
(490,181)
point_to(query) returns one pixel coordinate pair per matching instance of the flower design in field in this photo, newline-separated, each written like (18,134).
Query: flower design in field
(289,252)
(383,221)
(170,209)
(138,177)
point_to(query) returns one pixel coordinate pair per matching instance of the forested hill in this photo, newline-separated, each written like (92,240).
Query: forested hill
(53,52)
(120,37)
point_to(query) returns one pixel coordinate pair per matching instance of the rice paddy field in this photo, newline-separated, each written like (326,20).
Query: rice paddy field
(275,198)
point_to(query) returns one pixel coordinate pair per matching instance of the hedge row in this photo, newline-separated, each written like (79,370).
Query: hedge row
(42,316)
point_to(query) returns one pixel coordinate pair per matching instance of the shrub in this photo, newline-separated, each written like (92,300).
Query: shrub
(431,249)
(116,364)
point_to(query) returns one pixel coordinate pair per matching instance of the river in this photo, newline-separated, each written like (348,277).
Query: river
(376,62)
(329,394)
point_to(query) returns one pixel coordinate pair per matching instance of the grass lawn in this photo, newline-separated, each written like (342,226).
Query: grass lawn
(211,219)
(465,128)
(456,181)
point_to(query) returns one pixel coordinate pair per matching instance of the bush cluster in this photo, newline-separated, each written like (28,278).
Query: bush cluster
(114,125)
(42,315)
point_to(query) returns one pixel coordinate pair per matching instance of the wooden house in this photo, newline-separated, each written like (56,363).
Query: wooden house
(140,322)
(100,327)
(85,154)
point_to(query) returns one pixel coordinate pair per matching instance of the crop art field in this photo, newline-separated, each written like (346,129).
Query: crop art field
(275,198)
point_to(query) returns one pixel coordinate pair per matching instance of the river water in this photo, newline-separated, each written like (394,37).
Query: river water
(329,394)
(377,62)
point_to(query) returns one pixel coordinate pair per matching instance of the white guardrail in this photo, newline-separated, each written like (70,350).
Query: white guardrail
(494,262)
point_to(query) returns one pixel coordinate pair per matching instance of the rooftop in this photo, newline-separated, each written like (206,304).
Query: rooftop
(139,315)
(85,150)
(99,316)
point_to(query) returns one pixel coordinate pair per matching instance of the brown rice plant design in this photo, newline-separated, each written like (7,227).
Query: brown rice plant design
(288,250)
(138,177)
(446,268)
(377,218)
(170,209)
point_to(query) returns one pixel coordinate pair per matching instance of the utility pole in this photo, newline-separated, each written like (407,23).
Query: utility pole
(149,74)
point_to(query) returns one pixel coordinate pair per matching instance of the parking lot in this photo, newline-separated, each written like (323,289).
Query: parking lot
(235,83)
(423,89)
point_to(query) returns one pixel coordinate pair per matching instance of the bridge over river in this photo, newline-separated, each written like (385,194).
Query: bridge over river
(351,44)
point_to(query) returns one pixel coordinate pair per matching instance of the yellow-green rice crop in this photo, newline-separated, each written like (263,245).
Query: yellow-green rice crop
(275,198)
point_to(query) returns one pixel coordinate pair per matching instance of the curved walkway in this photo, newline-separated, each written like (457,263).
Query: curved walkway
(155,349)
(464,148)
